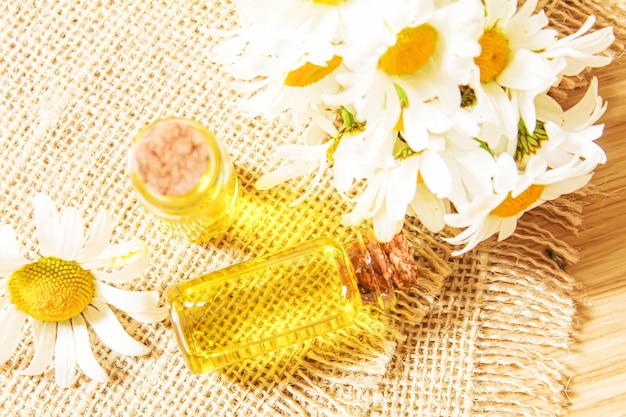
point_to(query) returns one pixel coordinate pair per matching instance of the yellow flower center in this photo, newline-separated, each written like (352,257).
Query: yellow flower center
(493,56)
(51,289)
(333,2)
(513,206)
(413,48)
(311,73)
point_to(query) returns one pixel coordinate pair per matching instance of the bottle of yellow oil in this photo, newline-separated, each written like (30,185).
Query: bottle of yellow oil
(183,176)
(282,298)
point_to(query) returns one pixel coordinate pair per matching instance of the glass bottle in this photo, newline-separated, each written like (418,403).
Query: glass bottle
(183,176)
(279,299)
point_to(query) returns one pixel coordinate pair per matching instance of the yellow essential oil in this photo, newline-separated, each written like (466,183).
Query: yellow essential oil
(277,300)
(183,176)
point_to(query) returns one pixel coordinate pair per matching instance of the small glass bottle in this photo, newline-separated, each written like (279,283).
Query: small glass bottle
(182,175)
(283,298)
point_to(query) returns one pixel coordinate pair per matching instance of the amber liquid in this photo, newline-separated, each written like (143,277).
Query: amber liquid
(264,304)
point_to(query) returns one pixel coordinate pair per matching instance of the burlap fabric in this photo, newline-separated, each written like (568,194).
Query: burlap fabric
(484,334)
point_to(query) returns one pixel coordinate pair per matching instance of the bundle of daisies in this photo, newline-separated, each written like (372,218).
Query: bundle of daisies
(438,109)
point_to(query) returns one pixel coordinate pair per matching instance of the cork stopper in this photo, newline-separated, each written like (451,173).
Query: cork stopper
(171,157)
(401,260)
(380,268)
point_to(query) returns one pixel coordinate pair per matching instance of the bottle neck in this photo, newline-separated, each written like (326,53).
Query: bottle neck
(380,268)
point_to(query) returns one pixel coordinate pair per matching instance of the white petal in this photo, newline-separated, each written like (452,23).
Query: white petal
(153,315)
(128,301)
(570,185)
(507,228)
(84,354)
(480,232)
(64,355)
(47,224)
(367,203)
(386,228)
(110,331)
(117,255)
(401,188)
(429,209)
(321,122)
(10,256)
(506,174)
(473,238)
(134,255)
(100,234)
(12,322)
(282,174)
(501,111)
(436,174)
(44,337)
(72,236)
(313,183)
(527,71)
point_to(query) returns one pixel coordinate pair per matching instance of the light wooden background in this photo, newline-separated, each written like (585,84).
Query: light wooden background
(598,352)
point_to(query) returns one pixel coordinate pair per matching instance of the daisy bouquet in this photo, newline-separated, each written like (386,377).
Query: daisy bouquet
(437,109)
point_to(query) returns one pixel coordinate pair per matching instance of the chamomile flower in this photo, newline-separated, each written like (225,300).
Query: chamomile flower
(292,71)
(512,69)
(385,200)
(426,52)
(359,151)
(522,59)
(352,152)
(292,84)
(514,194)
(318,26)
(391,190)
(568,137)
(66,288)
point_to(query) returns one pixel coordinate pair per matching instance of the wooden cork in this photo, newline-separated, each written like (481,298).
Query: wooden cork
(171,157)
(402,262)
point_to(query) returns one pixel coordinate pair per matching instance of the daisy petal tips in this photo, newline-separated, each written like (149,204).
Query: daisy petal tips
(60,293)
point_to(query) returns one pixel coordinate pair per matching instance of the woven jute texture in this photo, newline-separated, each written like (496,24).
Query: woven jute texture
(484,334)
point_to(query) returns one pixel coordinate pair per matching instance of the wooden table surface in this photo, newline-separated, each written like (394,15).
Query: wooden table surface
(598,351)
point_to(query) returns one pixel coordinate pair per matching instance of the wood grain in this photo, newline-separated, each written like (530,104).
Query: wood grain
(598,353)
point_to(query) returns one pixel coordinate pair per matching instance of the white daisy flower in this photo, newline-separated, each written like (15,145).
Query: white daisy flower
(295,85)
(391,190)
(385,200)
(358,153)
(471,172)
(64,289)
(514,194)
(426,52)
(319,26)
(353,152)
(291,71)
(565,137)
(451,133)
(512,68)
